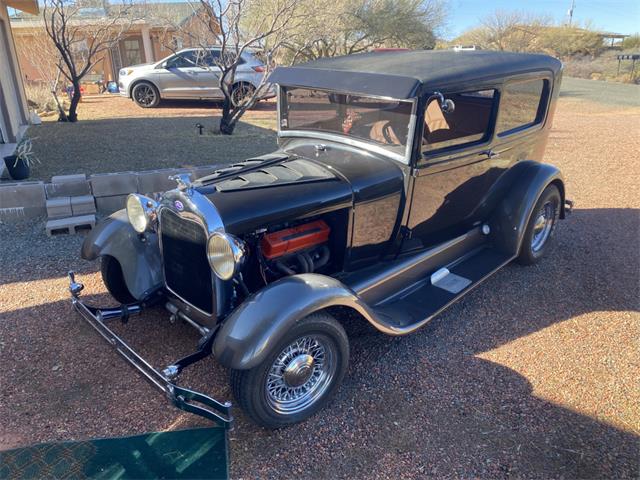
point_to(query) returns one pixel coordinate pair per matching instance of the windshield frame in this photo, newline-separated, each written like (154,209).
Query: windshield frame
(351,140)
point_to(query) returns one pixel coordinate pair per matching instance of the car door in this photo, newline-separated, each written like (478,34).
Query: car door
(209,76)
(178,77)
(456,168)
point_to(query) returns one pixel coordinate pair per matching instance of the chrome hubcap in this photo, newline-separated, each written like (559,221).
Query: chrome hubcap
(300,375)
(299,371)
(543,226)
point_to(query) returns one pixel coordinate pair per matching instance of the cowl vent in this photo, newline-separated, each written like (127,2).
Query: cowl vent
(293,171)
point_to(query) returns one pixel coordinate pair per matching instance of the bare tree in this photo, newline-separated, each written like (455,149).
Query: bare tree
(80,41)
(237,26)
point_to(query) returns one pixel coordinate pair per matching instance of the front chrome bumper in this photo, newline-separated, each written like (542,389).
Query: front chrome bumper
(182,398)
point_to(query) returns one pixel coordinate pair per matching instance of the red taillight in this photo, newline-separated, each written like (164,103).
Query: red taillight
(258,69)
(291,240)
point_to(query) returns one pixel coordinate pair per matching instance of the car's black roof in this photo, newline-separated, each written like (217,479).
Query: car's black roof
(402,74)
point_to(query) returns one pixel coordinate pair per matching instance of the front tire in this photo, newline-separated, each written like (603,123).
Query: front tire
(114,280)
(298,376)
(145,95)
(541,227)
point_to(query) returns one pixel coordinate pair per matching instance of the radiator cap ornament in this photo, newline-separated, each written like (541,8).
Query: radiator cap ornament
(183,180)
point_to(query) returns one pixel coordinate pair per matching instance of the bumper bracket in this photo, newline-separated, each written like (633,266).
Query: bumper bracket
(182,398)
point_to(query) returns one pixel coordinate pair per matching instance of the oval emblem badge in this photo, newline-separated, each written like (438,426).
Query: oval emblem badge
(179,206)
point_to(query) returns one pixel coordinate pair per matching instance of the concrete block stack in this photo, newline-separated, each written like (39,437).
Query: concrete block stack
(21,200)
(71,202)
(70,207)
(111,189)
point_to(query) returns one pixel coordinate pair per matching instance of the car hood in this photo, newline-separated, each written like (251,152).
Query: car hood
(294,183)
(273,189)
(140,67)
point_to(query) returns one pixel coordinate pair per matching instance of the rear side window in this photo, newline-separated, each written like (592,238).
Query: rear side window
(470,121)
(521,105)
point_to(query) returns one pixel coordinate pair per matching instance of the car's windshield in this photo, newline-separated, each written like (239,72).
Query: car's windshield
(383,122)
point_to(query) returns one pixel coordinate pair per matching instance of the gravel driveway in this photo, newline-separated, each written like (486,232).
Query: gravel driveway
(534,374)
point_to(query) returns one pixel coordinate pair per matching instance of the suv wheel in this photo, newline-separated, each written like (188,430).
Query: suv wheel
(114,280)
(241,94)
(145,95)
(299,375)
(541,226)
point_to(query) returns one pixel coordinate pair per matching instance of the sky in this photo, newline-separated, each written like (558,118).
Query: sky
(619,16)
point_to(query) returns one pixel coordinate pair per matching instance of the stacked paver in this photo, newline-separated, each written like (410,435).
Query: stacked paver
(71,202)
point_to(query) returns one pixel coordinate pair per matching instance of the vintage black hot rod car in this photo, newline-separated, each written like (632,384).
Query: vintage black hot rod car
(401,182)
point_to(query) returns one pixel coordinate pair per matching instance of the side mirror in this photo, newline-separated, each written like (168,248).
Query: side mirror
(446,104)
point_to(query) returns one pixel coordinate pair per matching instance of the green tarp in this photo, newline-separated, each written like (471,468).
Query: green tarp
(195,453)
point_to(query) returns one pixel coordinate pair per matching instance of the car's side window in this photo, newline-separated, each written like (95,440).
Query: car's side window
(470,121)
(521,105)
(210,58)
(183,60)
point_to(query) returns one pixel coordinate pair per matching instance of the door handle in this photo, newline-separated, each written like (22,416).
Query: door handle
(491,154)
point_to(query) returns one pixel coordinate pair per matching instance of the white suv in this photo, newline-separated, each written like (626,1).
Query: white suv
(190,73)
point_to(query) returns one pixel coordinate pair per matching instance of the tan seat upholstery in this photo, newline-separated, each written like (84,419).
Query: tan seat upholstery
(434,117)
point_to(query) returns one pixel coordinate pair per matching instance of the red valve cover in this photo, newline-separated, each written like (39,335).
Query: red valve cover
(291,240)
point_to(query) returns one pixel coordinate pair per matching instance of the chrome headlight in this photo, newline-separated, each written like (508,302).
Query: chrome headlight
(226,254)
(142,212)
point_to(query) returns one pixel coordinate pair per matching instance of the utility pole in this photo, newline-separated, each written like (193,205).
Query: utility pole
(570,11)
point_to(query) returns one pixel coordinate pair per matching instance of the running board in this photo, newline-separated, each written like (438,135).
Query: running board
(417,304)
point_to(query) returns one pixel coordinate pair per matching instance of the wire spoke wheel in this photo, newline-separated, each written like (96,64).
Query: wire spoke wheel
(543,226)
(300,374)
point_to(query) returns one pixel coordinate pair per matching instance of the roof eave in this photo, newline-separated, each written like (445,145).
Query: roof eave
(27,6)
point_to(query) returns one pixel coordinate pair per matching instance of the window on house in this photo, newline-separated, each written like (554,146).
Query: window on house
(521,105)
(469,122)
(132,52)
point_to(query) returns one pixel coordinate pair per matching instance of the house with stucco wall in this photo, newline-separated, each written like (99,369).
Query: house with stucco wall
(157,31)
(14,115)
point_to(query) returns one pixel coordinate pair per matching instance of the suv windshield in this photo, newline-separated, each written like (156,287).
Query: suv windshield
(383,122)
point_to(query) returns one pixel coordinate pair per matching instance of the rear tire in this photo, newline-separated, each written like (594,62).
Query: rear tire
(299,375)
(145,95)
(541,227)
(240,93)
(114,280)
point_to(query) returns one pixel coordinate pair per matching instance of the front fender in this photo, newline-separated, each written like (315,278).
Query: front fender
(512,215)
(139,256)
(255,327)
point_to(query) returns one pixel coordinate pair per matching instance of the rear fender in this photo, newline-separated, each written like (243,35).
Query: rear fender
(509,220)
(138,255)
(250,333)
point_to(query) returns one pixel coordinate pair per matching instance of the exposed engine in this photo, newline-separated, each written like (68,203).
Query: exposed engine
(299,249)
